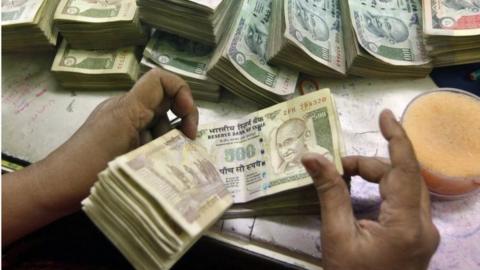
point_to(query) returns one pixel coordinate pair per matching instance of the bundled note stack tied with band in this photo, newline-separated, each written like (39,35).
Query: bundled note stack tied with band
(187,58)
(116,69)
(239,62)
(98,24)
(28,25)
(156,201)
(384,38)
(307,36)
(200,20)
(452,31)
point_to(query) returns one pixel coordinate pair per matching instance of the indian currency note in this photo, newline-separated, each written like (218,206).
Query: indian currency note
(390,30)
(452,17)
(260,154)
(315,27)
(96,10)
(212,4)
(247,49)
(93,61)
(179,55)
(179,175)
(20,11)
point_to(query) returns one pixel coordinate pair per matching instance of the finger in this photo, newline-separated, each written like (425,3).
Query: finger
(425,200)
(372,169)
(148,90)
(145,137)
(335,204)
(182,103)
(189,124)
(161,126)
(402,187)
(401,151)
(157,87)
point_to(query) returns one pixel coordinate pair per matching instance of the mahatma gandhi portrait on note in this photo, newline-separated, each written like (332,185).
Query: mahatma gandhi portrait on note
(311,22)
(256,39)
(462,4)
(94,8)
(388,28)
(291,141)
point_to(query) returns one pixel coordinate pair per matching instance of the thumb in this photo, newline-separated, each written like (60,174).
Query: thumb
(335,204)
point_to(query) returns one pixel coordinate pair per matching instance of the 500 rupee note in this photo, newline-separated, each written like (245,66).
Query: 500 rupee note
(260,154)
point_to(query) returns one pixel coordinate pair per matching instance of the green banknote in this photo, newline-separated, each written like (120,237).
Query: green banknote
(390,30)
(315,27)
(179,55)
(96,10)
(260,154)
(211,4)
(20,11)
(93,61)
(247,49)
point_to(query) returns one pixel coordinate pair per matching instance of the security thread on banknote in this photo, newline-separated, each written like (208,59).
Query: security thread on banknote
(260,154)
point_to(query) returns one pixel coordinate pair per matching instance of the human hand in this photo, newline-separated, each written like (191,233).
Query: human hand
(119,125)
(404,236)
(55,186)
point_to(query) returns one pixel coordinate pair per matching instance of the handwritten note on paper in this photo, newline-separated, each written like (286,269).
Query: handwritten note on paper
(37,114)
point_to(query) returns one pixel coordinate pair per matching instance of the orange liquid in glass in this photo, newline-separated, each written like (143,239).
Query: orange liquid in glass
(444,127)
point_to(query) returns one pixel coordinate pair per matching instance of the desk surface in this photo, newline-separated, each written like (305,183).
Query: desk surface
(38,116)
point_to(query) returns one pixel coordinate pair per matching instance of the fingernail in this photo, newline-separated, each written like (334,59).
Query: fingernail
(390,114)
(311,165)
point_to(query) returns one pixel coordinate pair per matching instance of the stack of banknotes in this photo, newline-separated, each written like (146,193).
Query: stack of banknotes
(452,31)
(155,202)
(384,38)
(27,25)
(100,24)
(76,69)
(186,58)
(302,201)
(239,62)
(307,36)
(199,20)
(366,38)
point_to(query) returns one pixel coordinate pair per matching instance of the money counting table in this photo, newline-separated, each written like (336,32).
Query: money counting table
(38,116)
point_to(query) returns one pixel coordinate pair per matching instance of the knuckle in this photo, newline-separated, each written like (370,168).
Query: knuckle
(325,184)
(411,168)
(434,237)
(155,72)
(138,115)
(411,238)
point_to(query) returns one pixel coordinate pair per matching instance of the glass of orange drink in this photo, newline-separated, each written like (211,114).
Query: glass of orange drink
(444,128)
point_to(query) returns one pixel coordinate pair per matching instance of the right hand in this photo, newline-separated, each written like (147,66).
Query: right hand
(404,236)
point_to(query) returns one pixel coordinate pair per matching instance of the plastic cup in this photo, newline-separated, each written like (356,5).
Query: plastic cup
(444,127)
